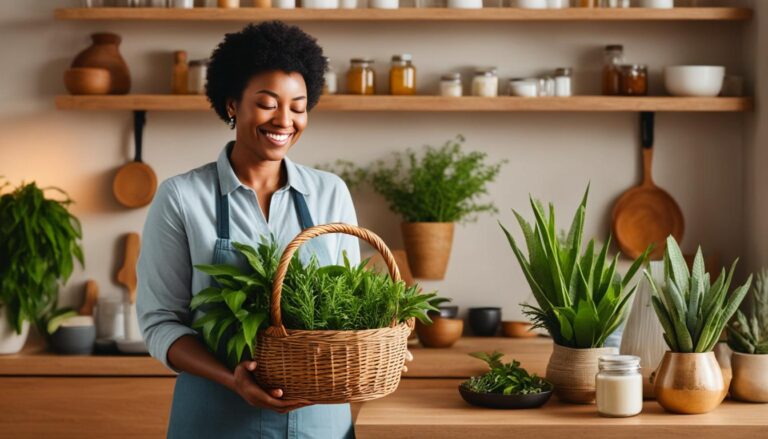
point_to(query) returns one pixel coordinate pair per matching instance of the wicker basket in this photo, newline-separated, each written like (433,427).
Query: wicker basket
(331,366)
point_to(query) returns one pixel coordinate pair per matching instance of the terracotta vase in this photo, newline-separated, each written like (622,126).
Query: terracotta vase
(428,246)
(572,372)
(750,377)
(689,383)
(442,333)
(104,53)
(10,341)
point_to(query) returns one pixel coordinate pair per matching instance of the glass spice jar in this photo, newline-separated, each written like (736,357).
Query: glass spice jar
(563,82)
(633,80)
(196,76)
(450,85)
(619,386)
(361,78)
(402,75)
(613,57)
(485,83)
(330,85)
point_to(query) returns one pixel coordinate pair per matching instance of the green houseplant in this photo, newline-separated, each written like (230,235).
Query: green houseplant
(580,298)
(748,338)
(39,244)
(693,312)
(432,191)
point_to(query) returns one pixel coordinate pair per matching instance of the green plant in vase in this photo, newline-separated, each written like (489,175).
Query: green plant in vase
(693,312)
(39,244)
(580,297)
(748,338)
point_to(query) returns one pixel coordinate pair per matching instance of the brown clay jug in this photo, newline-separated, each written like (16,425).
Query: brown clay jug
(104,54)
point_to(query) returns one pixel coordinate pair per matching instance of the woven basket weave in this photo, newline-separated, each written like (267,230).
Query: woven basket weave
(331,366)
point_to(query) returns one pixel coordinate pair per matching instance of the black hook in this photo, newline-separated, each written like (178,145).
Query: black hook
(646,128)
(139,120)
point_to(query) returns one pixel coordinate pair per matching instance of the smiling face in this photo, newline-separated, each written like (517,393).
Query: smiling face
(271,114)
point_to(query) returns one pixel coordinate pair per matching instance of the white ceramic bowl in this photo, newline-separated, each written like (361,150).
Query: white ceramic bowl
(699,81)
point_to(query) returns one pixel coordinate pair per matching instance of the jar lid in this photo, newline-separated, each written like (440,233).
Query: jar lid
(563,71)
(199,62)
(361,60)
(488,71)
(633,67)
(614,47)
(402,57)
(618,362)
(451,77)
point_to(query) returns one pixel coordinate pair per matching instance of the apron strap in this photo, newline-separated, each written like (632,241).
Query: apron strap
(305,219)
(222,214)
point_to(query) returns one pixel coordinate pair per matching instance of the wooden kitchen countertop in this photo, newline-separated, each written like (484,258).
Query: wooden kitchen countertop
(427,408)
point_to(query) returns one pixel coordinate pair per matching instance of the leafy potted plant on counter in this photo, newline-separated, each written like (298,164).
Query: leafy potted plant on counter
(39,242)
(507,386)
(580,297)
(693,313)
(431,193)
(748,338)
(326,334)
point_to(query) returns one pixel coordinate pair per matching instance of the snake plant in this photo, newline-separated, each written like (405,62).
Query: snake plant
(692,311)
(749,334)
(581,299)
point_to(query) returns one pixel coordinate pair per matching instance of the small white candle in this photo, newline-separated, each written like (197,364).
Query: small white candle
(619,386)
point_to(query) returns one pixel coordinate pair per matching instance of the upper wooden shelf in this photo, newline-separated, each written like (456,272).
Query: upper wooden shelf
(425,103)
(405,14)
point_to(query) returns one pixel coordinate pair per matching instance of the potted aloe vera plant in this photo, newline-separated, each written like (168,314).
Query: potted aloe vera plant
(432,193)
(693,313)
(39,243)
(748,338)
(581,299)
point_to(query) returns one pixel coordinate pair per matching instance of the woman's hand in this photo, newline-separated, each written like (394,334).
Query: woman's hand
(253,394)
(408,358)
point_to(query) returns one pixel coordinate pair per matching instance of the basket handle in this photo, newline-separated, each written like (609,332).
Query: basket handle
(277,329)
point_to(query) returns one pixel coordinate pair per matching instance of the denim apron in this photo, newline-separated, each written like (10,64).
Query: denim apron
(206,410)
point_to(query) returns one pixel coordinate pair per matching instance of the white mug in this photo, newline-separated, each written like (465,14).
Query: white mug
(657,4)
(109,319)
(530,4)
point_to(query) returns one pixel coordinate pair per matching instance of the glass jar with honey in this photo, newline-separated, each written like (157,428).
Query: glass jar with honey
(361,79)
(613,59)
(634,80)
(402,75)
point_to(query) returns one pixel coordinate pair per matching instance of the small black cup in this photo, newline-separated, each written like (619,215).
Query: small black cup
(446,312)
(484,322)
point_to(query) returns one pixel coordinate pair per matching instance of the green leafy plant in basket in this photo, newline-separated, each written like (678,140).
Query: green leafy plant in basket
(39,244)
(334,297)
(580,297)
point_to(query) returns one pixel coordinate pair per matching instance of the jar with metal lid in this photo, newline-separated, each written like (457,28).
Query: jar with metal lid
(402,75)
(619,385)
(196,76)
(450,85)
(613,58)
(361,79)
(330,84)
(485,83)
(563,82)
(633,80)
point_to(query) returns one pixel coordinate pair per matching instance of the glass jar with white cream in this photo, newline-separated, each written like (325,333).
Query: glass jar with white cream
(619,386)
(485,83)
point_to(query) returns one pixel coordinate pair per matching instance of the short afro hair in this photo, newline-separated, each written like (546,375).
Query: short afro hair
(258,48)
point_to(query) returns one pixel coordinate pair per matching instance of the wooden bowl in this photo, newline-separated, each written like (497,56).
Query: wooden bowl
(442,333)
(87,81)
(517,329)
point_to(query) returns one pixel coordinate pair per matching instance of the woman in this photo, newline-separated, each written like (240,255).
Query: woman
(262,82)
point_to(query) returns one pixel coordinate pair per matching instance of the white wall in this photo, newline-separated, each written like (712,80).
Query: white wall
(699,157)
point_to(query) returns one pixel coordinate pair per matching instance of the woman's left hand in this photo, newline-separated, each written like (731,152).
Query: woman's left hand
(408,357)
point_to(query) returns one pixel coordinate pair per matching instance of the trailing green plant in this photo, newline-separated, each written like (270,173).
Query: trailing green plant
(506,379)
(334,297)
(691,310)
(580,297)
(39,243)
(443,185)
(748,333)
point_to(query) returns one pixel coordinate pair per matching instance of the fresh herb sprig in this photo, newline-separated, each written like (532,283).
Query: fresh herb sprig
(506,379)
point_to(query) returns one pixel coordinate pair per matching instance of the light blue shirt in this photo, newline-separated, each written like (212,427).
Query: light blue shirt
(180,232)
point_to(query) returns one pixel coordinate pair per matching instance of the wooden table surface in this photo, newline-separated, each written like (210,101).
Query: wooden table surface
(426,408)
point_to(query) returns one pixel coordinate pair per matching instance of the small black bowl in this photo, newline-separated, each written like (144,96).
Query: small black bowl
(446,312)
(484,322)
(500,401)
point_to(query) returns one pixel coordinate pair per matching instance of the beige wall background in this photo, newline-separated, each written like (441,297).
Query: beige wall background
(711,163)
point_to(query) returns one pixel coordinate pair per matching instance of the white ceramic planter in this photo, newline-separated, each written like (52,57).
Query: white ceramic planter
(10,341)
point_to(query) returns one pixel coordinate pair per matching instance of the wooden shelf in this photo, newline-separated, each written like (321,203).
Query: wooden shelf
(247,14)
(426,103)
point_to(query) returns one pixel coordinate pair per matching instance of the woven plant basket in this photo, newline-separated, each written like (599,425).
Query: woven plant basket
(331,367)
(572,372)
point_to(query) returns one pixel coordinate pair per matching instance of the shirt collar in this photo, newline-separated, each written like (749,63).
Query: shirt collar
(228,180)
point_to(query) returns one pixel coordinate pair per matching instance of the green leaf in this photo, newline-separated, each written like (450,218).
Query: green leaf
(234,299)
(585,325)
(208,295)
(250,327)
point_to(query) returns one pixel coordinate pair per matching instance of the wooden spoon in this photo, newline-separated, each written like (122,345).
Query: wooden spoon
(646,214)
(91,296)
(127,273)
(135,183)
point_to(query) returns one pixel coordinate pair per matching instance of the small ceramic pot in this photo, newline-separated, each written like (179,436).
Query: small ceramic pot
(517,329)
(87,81)
(484,322)
(572,372)
(446,312)
(74,340)
(442,333)
(689,383)
(750,377)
